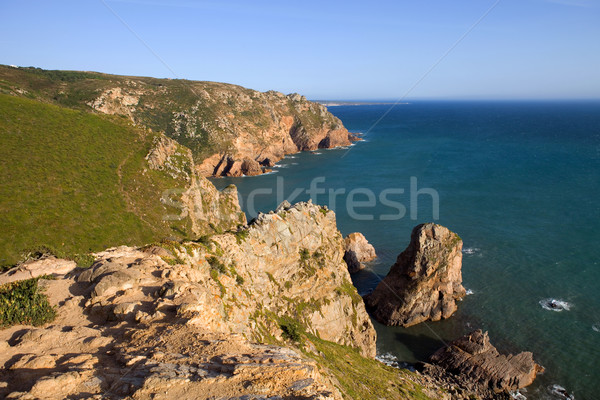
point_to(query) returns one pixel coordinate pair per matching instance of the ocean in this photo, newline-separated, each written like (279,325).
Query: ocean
(518,181)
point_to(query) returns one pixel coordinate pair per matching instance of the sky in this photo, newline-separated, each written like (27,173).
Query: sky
(344,50)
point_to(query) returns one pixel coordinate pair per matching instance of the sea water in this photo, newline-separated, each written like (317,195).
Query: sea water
(518,181)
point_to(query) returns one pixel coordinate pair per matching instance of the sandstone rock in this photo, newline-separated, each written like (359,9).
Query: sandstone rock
(479,366)
(424,283)
(32,269)
(251,167)
(357,250)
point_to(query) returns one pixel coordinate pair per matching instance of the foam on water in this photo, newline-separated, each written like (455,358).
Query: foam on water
(470,250)
(596,327)
(554,305)
(560,392)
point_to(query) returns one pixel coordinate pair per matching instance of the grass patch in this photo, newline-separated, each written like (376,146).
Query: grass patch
(364,378)
(348,289)
(23,302)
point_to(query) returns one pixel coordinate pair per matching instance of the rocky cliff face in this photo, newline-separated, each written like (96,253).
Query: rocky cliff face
(231,130)
(424,283)
(285,266)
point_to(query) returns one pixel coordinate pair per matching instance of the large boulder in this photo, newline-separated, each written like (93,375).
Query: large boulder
(474,363)
(357,250)
(424,283)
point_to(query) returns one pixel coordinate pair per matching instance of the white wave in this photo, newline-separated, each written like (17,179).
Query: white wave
(554,305)
(596,327)
(518,395)
(291,157)
(317,153)
(470,250)
(560,392)
(388,359)
(294,163)
(469,292)
(270,173)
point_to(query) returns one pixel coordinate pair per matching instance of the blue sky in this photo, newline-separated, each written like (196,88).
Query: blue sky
(324,49)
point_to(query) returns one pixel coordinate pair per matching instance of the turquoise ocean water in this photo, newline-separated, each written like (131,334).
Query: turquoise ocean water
(518,181)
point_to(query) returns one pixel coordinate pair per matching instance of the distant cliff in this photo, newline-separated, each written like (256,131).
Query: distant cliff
(231,130)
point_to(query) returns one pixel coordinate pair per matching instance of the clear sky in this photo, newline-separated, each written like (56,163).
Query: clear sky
(323,49)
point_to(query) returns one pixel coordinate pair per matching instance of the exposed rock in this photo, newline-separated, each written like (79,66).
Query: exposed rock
(477,365)
(424,283)
(34,268)
(208,209)
(251,167)
(185,324)
(357,250)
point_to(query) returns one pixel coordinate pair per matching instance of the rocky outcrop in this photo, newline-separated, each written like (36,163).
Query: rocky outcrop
(286,264)
(186,317)
(158,356)
(50,266)
(207,208)
(474,363)
(424,283)
(357,250)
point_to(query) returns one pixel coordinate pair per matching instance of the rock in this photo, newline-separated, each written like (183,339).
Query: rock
(32,269)
(480,367)
(357,250)
(424,283)
(251,167)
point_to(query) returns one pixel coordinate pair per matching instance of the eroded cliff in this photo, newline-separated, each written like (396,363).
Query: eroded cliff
(231,130)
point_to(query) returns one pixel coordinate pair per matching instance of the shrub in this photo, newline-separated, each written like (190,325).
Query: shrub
(304,255)
(241,236)
(239,280)
(23,302)
(291,329)
(216,265)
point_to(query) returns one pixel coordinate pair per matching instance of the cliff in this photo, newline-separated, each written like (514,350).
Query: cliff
(267,310)
(231,130)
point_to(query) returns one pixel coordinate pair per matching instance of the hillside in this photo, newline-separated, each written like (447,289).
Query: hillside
(77,182)
(231,130)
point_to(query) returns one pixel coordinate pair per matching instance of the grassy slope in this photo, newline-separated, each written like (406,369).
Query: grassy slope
(61,181)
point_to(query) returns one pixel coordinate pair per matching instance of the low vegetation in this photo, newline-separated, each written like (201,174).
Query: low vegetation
(23,302)
(360,377)
(73,182)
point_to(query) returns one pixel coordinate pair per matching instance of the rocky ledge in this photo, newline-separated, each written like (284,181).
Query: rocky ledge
(474,363)
(424,283)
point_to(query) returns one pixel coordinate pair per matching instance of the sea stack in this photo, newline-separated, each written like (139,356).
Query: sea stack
(357,250)
(424,283)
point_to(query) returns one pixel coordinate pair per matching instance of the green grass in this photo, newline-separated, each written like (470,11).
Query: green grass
(23,302)
(72,181)
(363,378)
